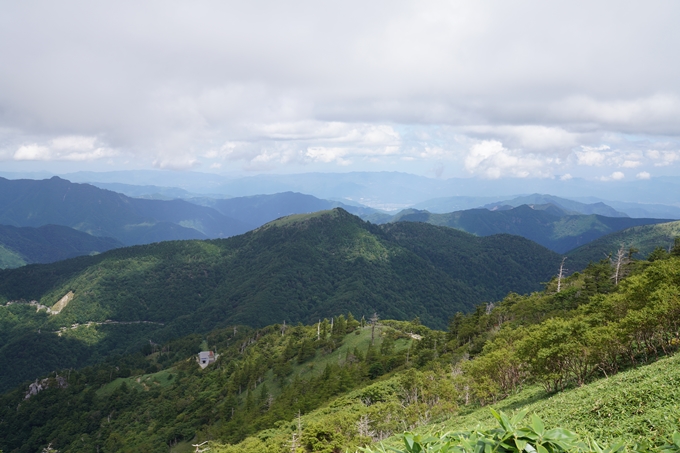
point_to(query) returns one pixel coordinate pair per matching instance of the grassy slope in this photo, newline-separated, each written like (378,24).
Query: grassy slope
(639,403)
(642,403)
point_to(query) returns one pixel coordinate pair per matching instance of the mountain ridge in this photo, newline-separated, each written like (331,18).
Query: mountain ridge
(302,268)
(549,226)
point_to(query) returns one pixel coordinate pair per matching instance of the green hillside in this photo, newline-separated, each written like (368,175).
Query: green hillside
(47,244)
(548,225)
(631,406)
(595,357)
(644,238)
(299,268)
(582,358)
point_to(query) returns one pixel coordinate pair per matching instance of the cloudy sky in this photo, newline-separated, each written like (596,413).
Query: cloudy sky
(490,89)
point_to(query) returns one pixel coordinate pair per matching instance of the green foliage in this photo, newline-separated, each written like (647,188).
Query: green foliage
(112,406)
(509,437)
(328,387)
(645,239)
(295,270)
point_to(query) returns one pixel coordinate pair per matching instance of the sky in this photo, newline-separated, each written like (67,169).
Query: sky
(487,89)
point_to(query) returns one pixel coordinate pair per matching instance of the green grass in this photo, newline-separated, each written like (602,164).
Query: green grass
(315,366)
(296,218)
(642,403)
(144,382)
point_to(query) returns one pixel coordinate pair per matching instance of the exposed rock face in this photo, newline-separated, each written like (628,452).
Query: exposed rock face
(38,386)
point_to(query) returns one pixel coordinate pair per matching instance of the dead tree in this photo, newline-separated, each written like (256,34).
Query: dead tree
(561,275)
(621,261)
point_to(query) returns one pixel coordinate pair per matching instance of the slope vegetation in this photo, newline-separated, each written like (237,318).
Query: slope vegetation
(298,268)
(595,357)
(643,238)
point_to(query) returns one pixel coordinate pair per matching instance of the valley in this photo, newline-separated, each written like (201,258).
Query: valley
(345,382)
(335,326)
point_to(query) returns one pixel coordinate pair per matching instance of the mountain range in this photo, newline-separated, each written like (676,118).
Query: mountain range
(548,225)
(132,221)
(394,190)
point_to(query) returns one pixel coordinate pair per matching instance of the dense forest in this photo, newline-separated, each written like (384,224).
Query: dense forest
(298,269)
(347,381)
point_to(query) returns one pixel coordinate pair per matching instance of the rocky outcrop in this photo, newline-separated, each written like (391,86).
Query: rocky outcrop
(40,385)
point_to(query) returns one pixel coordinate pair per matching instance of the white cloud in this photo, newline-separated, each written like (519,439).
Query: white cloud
(616,176)
(530,138)
(566,177)
(326,155)
(74,149)
(32,152)
(643,175)
(492,160)
(663,158)
(592,156)
(312,142)
(318,83)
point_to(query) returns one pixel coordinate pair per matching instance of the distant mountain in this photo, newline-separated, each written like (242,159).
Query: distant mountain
(443,205)
(254,210)
(640,210)
(645,238)
(257,210)
(145,191)
(568,206)
(47,244)
(299,268)
(108,214)
(394,190)
(547,225)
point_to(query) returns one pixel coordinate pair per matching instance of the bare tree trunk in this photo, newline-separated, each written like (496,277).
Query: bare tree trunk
(560,275)
(620,261)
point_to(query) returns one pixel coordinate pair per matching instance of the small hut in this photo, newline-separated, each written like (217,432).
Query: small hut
(205,358)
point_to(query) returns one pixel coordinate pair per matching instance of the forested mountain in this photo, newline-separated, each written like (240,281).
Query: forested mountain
(47,244)
(299,268)
(547,225)
(572,353)
(104,213)
(642,240)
